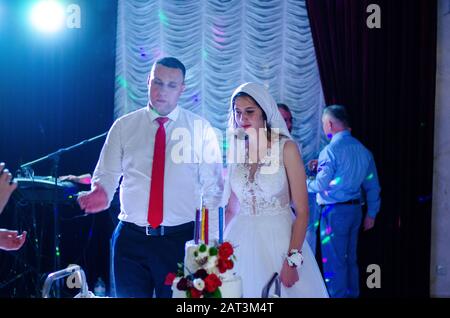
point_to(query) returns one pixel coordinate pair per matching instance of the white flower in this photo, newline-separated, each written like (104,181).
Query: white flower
(176,280)
(199,284)
(211,265)
(295,258)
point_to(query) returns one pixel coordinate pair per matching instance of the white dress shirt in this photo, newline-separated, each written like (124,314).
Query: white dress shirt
(128,152)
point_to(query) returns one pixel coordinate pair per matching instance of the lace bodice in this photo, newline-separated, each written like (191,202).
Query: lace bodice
(262,188)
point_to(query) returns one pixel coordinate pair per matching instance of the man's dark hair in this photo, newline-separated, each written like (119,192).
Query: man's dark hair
(172,62)
(284,107)
(338,112)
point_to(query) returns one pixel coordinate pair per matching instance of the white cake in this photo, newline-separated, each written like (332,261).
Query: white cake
(214,261)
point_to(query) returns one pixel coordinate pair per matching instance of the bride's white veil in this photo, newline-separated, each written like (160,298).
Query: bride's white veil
(274,119)
(262,96)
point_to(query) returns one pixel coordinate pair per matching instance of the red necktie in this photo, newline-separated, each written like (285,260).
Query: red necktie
(155,204)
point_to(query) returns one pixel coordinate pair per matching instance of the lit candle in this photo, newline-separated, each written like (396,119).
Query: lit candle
(220,225)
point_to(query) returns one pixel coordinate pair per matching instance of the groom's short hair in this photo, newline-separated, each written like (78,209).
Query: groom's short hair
(172,62)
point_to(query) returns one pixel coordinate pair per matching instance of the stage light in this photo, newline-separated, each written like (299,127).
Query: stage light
(47,16)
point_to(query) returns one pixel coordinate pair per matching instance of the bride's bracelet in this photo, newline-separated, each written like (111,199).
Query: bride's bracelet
(294,258)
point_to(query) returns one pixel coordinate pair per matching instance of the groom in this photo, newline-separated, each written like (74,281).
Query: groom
(158,193)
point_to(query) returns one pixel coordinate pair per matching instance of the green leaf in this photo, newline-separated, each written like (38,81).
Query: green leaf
(214,294)
(180,270)
(217,293)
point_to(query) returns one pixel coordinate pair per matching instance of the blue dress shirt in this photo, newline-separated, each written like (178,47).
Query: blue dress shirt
(345,167)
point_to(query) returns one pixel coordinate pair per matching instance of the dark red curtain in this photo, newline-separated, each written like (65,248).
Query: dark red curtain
(386,78)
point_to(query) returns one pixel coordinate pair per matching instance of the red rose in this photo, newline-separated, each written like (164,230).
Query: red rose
(222,265)
(195,293)
(229,264)
(225,250)
(201,273)
(169,279)
(183,284)
(212,282)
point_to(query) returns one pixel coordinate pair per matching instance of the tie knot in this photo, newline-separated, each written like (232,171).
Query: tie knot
(162,120)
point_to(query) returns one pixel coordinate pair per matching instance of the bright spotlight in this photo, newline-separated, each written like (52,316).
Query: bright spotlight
(47,16)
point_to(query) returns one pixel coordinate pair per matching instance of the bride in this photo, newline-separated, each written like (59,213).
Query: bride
(261,185)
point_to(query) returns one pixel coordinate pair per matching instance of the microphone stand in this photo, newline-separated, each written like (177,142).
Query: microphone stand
(55,157)
(56,154)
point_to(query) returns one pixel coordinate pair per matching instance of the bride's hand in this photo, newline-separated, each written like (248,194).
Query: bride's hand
(288,275)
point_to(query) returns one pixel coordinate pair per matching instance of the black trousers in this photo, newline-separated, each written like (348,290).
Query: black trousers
(141,262)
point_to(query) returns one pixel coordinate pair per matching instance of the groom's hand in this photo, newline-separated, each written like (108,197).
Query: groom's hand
(93,201)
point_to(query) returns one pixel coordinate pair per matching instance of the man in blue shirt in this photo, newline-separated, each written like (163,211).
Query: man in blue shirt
(345,167)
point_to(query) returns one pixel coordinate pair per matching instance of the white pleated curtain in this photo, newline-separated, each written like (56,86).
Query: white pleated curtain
(223,44)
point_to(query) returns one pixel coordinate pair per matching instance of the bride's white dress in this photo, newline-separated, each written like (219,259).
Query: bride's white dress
(261,231)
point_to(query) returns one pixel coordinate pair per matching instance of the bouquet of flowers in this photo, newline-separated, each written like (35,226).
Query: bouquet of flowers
(211,264)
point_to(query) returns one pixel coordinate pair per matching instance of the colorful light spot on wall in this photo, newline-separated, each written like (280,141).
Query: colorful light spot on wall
(163,18)
(122,81)
(157,53)
(195,98)
(144,54)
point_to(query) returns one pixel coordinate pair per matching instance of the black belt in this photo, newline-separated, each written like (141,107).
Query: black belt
(349,202)
(160,230)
